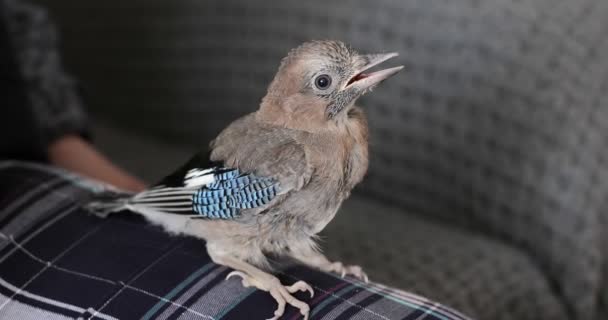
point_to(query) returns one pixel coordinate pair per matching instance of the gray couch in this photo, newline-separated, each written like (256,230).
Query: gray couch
(489,174)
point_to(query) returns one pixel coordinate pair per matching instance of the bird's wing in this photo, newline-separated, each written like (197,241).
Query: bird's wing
(286,163)
(214,192)
(231,186)
(267,151)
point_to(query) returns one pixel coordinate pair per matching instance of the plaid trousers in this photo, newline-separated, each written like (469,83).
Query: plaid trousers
(58,262)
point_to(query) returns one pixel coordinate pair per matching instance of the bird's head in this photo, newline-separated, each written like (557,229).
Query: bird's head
(318,83)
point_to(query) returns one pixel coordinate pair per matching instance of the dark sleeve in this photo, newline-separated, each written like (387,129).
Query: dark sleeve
(51,93)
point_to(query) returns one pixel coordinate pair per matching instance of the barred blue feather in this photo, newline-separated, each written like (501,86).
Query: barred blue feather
(214,193)
(230,192)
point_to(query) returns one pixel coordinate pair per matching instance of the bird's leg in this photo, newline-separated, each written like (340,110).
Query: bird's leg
(254,277)
(311,257)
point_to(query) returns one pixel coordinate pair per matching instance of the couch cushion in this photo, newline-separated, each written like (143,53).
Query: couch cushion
(480,276)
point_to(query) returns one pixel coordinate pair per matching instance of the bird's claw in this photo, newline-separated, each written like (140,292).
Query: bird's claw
(343,270)
(280,293)
(243,276)
(301,286)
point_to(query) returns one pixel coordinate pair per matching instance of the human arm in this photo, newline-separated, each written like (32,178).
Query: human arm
(55,122)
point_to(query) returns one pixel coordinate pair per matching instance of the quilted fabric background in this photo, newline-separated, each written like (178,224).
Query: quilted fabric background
(498,125)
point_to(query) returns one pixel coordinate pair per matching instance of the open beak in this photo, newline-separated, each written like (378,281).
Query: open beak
(364,81)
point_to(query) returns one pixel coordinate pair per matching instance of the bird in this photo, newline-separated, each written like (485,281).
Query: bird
(274,178)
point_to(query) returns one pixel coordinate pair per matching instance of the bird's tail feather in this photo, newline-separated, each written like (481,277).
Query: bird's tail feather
(107,203)
(168,200)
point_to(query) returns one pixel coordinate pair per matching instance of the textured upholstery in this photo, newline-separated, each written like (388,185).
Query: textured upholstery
(499,124)
(477,275)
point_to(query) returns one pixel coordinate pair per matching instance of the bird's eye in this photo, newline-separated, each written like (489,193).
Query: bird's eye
(323,81)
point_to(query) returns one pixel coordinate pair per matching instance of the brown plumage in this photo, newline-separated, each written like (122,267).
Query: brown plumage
(310,139)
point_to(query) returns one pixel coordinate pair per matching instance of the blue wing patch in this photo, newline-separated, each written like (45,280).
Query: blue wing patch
(213,193)
(232,191)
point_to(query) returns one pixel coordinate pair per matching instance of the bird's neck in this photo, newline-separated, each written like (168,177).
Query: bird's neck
(301,119)
(291,117)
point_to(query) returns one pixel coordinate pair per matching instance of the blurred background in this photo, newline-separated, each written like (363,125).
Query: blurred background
(488,180)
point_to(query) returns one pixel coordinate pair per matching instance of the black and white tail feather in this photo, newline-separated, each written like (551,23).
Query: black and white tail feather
(211,193)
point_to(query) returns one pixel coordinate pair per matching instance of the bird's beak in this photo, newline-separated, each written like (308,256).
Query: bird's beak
(364,81)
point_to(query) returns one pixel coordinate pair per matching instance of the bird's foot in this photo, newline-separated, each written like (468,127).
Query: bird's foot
(282,294)
(342,270)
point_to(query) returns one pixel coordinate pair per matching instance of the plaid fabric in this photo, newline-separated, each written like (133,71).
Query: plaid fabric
(57,262)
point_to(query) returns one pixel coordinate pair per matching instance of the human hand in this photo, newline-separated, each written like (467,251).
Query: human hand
(73,153)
